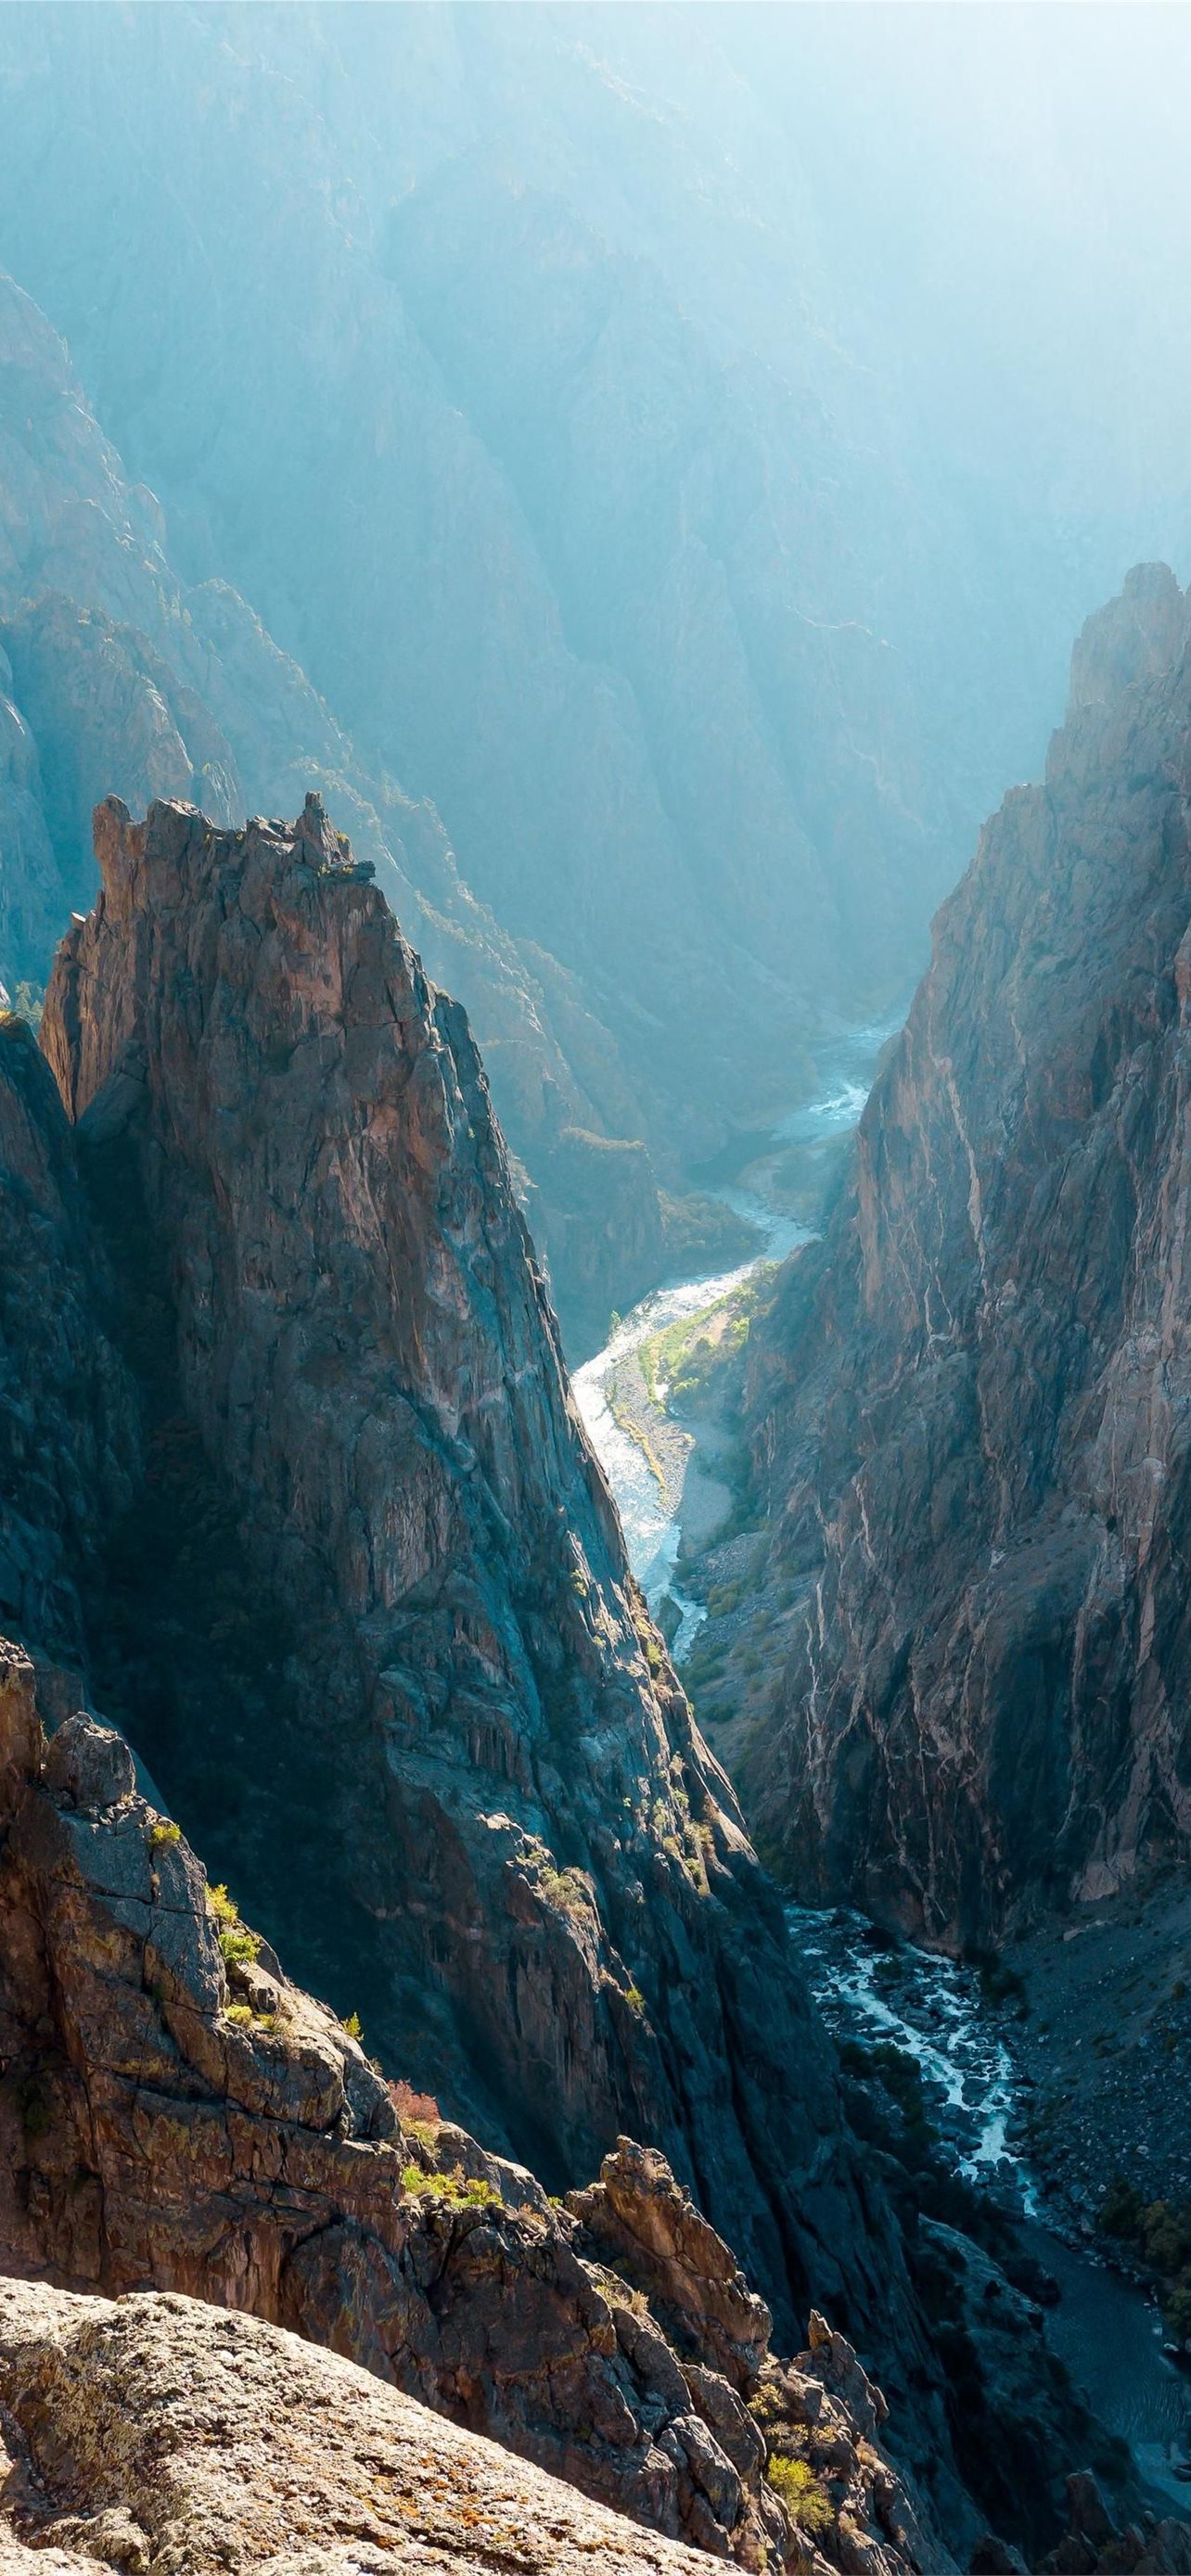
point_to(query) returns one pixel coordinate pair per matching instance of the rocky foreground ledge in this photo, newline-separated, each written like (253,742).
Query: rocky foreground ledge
(155,2433)
(176,2116)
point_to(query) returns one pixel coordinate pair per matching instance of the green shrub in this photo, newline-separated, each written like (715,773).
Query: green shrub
(807,2503)
(237,1943)
(765,2405)
(162,1832)
(635,2001)
(1122,2209)
(354,2026)
(1165,2238)
(564,1889)
(998,1982)
(470,2192)
(895,2070)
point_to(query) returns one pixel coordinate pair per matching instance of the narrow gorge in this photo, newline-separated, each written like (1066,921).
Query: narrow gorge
(438,1752)
(595,1412)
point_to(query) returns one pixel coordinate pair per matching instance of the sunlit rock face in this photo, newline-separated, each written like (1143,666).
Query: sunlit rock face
(970,1403)
(178,2116)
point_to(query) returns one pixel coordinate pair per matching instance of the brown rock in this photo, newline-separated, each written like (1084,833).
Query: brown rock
(162,2434)
(640,2220)
(157,2130)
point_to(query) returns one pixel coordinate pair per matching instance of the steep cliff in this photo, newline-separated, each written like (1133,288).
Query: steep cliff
(367,1616)
(970,1401)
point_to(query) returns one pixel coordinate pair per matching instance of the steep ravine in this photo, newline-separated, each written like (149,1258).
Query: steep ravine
(324,1534)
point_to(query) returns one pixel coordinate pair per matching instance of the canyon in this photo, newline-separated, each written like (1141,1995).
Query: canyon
(512,370)
(297,1495)
(575,1951)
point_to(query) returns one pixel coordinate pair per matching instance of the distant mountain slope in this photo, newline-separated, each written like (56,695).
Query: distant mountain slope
(115,675)
(500,359)
(971,1401)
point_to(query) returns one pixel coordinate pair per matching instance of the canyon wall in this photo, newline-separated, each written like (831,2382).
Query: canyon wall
(969,1401)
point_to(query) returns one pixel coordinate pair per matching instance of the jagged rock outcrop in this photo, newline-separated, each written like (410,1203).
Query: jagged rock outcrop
(160,2438)
(174,2113)
(364,1610)
(970,1401)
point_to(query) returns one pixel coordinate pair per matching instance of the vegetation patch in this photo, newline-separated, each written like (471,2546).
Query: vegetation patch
(999,1983)
(416,2111)
(238,1944)
(565,1891)
(1158,2235)
(683,1363)
(464,2192)
(807,2503)
(898,2074)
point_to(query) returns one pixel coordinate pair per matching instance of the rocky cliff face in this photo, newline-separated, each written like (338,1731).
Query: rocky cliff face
(177,2115)
(970,1400)
(367,1615)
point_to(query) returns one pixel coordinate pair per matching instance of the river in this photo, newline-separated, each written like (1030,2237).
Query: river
(1105,2331)
(651,1527)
